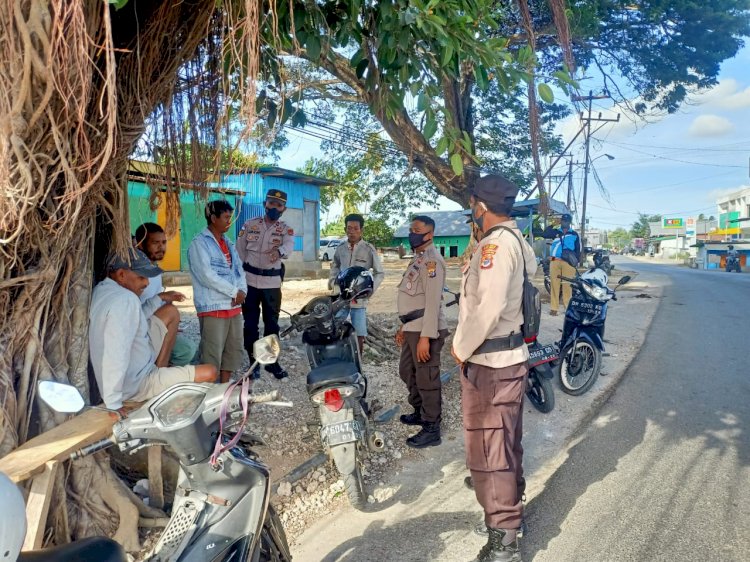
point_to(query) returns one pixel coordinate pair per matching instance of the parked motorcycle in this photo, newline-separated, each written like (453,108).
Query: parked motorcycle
(544,262)
(539,389)
(601,261)
(582,341)
(733,264)
(221,509)
(336,384)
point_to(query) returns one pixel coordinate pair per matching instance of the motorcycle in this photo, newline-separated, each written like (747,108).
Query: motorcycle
(582,341)
(222,508)
(338,389)
(539,389)
(733,264)
(601,261)
(544,262)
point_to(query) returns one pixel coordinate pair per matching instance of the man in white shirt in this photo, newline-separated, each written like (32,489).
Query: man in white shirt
(171,346)
(121,353)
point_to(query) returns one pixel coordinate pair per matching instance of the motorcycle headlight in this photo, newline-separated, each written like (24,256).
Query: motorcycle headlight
(595,292)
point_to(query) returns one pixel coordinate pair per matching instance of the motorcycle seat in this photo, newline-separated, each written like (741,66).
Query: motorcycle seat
(94,549)
(332,373)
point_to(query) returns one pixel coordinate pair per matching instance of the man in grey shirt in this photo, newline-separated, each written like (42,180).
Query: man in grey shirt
(357,252)
(124,361)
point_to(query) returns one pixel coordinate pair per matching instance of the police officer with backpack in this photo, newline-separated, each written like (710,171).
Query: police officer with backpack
(489,345)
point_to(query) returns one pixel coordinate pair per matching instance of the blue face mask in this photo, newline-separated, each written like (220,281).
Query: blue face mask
(273,213)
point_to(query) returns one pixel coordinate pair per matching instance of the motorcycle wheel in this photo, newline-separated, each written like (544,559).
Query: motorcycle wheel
(539,391)
(354,484)
(270,551)
(579,366)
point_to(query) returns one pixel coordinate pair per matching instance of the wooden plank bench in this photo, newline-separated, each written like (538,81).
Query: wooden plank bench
(39,458)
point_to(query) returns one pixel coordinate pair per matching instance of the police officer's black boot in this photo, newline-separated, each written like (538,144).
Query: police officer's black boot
(427,437)
(499,548)
(277,371)
(411,419)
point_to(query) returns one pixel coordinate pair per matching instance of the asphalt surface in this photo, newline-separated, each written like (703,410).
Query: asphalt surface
(663,470)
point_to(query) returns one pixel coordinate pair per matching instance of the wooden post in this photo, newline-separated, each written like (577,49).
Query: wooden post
(155,478)
(37,506)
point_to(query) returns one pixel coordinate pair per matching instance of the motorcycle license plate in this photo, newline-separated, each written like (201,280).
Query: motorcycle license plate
(542,355)
(587,307)
(342,432)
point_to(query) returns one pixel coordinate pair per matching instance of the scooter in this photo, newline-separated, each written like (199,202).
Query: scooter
(539,389)
(338,388)
(582,341)
(733,264)
(221,509)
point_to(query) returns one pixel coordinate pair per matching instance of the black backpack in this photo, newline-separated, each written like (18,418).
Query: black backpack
(531,302)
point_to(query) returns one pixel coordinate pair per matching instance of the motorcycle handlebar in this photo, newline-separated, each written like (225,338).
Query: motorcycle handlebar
(568,279)
(93,448)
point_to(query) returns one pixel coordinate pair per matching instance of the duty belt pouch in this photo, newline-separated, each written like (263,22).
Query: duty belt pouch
(283,271)
(531,303)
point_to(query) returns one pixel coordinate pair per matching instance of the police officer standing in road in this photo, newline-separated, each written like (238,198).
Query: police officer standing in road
(423,332)
(565,255)
(357,252)
(262,243)
(489,346)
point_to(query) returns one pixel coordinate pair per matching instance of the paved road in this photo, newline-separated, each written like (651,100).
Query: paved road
(663,472)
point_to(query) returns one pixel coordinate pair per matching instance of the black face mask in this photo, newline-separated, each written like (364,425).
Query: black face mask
(416,240)
(479,221)
(273,213)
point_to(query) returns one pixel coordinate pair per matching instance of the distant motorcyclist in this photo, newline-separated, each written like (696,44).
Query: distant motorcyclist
(732,253)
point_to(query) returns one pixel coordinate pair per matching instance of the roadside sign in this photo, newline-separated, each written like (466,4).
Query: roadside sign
(673,223)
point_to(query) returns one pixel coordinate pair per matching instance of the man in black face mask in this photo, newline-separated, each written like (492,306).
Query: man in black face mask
(423,332)
(261,244)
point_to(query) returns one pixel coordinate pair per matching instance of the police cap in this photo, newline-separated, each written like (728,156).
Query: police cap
(495,189)
(276,194)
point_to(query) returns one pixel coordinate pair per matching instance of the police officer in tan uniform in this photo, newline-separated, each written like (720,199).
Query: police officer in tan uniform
(261,244)
(357,252)
(423,332)
(489,346)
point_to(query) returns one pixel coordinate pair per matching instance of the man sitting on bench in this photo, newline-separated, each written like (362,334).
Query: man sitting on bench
(121,353)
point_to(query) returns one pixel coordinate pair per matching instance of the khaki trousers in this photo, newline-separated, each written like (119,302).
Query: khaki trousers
(492,402)
(557,268)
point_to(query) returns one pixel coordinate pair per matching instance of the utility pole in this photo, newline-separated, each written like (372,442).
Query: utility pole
(587,162)
(570,183)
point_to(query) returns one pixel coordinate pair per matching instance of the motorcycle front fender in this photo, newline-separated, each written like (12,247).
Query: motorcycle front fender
(344,457)
(544,370)
(591,336)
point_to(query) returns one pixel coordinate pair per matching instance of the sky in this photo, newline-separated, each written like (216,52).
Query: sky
(674,165)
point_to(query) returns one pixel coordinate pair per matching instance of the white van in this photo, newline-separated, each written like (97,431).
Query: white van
(328,246)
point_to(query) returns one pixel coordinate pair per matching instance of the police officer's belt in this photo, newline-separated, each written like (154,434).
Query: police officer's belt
(506,343)
(413,315)
(264,272)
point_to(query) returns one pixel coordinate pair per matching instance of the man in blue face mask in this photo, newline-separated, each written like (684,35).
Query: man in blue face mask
(261,244)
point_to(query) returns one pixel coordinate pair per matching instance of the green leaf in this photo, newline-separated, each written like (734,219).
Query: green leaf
(442,146)
(118,3)
(423,102)
(545,92)
(356,58)
(286,111)
(480,75)
(414,88)
(361,67)
(313,47)
(447,54)
(272,112)
(457,164)
(430,127)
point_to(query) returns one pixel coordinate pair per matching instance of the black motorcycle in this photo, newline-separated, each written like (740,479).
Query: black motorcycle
(222,508)
(338,389)
(539,389)
(733,264)
(582,341)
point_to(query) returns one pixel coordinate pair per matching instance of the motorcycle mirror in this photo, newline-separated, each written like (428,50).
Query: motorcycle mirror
(62,398)
(624,280)
(267,350)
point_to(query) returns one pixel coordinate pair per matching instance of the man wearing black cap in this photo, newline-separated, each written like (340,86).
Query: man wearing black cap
(261,244)
(489,345)
(122,355)
(565,255)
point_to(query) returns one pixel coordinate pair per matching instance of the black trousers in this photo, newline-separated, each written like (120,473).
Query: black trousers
(267,301)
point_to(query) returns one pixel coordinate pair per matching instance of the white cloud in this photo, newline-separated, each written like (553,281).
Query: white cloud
(726,95)
(710,126)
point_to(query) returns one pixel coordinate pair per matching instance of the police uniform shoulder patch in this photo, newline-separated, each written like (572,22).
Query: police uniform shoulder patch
(290,231)
(431,268)
(488,256)
(242,232)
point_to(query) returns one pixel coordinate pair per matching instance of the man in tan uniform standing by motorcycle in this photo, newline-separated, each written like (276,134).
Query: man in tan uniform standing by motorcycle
(489,345)
(261,244)
(422,333)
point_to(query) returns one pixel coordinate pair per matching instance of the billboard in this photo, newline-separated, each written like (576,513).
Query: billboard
(673,223)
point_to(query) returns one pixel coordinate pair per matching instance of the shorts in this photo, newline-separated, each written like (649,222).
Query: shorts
(184,349)
(160,379)
(358,318)
(222,342)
